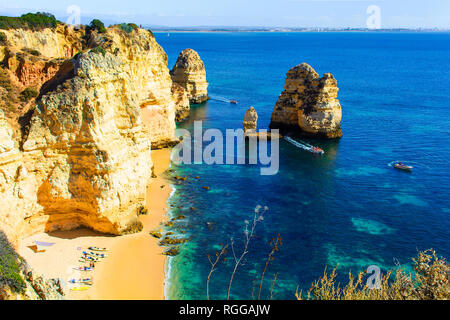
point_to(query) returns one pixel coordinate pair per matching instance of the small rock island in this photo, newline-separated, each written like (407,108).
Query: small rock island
(189,72)
(308,107)
(250,120)
(250,125)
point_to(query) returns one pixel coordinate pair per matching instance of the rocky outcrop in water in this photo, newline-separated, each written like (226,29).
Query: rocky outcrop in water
(251,125)
(250,120)
(81,155)
(189,72)
(308,106)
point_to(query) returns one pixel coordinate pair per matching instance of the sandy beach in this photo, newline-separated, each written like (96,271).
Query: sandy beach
(134,268)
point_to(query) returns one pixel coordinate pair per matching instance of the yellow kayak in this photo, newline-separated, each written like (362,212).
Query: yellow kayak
(79,288)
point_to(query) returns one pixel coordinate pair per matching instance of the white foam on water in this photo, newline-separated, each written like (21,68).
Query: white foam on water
(301,145)
(219,98)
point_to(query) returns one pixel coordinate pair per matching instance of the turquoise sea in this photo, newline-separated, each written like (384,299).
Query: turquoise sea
(347,208)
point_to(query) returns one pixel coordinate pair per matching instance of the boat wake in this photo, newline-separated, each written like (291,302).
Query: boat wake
(303,145)
(219,98)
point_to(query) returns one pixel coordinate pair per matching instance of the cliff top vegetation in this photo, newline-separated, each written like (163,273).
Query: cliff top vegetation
(35,21)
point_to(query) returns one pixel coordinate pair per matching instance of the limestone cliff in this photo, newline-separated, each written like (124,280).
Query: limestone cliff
(82,154)
(60,42)
(29,59)
(182,102)
(189,72)
(308,106)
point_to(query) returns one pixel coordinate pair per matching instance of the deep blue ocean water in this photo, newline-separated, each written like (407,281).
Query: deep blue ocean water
(347,208)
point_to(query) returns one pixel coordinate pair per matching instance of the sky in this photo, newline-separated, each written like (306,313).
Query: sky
(268,13)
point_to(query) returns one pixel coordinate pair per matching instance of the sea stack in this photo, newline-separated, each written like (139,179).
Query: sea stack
(308,106)
(189,72)
(250,120)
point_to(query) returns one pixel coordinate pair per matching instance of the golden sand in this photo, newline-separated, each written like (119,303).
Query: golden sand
(134,267)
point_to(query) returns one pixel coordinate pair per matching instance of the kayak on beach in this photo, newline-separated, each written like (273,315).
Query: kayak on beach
(79,288)
(82,260)
(87,281)
(83,269)
(93,255)
(99,255)
(97,249)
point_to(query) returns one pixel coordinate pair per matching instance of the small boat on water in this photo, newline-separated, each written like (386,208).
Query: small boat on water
(233,101)
(404,167)
(305,146)
(317,150)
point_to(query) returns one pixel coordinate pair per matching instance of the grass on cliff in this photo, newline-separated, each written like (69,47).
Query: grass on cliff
(28,94)
(9,267)
(34,21)
(99,50)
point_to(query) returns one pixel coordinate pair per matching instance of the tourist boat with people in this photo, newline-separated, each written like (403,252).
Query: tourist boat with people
(317,150)
(403,167)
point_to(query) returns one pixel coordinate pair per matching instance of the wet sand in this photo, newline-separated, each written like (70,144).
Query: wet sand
(134,268)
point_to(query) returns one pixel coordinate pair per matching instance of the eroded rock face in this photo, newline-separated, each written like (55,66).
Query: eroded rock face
(28,60)
(181,101)
(308,106)
(61,42)
(84,155)
(190,73)
(250,120)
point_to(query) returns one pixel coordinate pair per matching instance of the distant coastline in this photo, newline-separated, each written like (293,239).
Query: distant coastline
(296,30)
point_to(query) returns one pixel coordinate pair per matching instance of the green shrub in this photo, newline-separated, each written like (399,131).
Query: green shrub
(28,94)
(9,267)
(35,21)
(99,50)
(96,25)
(430,281)
(32,51)
(128,27)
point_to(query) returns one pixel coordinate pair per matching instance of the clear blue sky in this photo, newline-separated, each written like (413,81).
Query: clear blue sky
(289,13)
